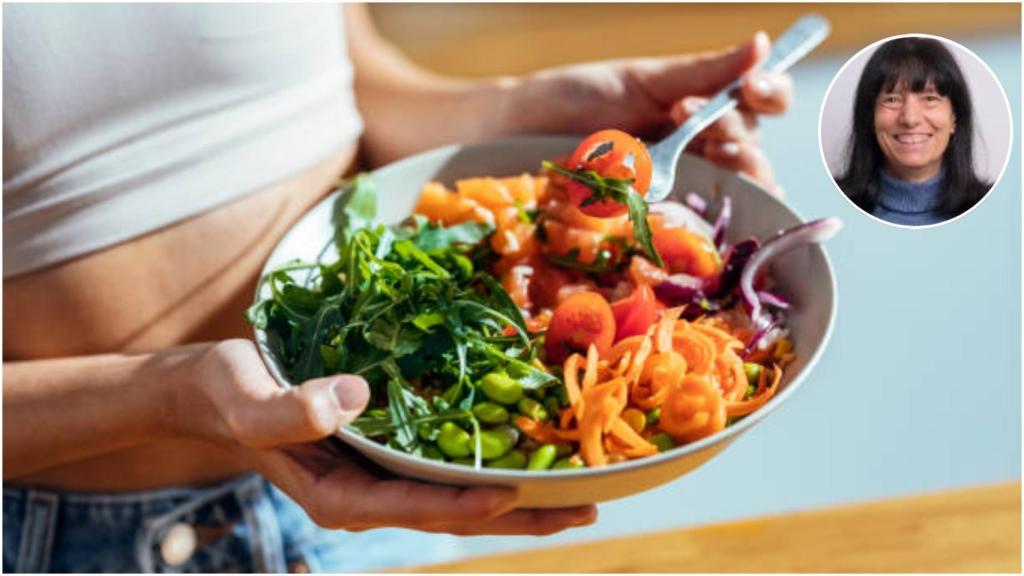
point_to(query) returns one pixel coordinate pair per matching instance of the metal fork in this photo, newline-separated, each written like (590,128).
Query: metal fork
(795,43)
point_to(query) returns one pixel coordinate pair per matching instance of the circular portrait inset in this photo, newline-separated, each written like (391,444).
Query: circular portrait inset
(915,130)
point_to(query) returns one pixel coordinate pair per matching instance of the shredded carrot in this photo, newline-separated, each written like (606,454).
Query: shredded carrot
(571,375)
(663,334)
(762,395)
(731,378)
(693,410)
(696,348)
(590,374)
(624,433)
(633,374)
(690,370)
(543,432)
(624,346)
(722,339)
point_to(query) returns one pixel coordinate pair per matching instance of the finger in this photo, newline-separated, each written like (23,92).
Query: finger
(733,125)
(767,92)
(669,79)
(348,496)
(397,502)
(267,416)
(524,522)
(743,157)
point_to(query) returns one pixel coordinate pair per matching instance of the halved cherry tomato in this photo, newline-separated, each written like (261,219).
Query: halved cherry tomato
(608,153)
(635,313)
(687,252)
(583,319)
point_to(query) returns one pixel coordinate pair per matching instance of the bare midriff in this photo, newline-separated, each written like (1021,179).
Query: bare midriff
(187,282)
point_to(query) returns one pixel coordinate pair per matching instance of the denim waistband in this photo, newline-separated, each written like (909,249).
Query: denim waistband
(231,526)
(242,525)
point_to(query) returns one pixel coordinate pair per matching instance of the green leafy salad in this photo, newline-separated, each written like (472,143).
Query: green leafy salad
(411,309)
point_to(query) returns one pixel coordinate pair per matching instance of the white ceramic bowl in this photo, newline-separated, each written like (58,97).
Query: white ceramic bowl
(804,276)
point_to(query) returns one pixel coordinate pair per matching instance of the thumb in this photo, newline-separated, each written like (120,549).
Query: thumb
(670,79)
(305,413)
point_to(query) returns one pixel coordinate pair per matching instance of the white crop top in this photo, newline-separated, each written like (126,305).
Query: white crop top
(120,119)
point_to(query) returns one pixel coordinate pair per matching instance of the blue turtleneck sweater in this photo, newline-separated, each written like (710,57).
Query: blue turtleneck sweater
(910,203)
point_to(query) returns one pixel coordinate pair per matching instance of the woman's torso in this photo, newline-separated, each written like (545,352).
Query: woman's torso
(188,282)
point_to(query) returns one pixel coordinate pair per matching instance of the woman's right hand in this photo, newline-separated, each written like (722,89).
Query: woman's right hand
(232,400)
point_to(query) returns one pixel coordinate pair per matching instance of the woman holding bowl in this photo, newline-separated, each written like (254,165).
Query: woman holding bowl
(911,158)
(153,157)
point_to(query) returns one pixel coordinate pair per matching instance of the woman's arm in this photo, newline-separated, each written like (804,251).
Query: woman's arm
(408,109)
(61,410)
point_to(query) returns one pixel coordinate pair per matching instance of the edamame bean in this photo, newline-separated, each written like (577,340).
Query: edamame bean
(552,406)
(663,441)
(753,372)
(433,453)
(573,461)
(654,415)
(464,461)
(490,413)
(502,388)
(515,459)
(542,458)
(493,444)
(427,432)
(454,441)
(562,450)
(532,409)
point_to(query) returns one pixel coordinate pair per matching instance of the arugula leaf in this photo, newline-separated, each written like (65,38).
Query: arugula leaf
(530,377)
(388,335)
(602,265)
(311,363)
(603,188)
(427,320)
(485,311)
(299,299)
(406,249)
(621,191)
(502,302)
(259,314)
(355,208)
(641,229)
(433,237)
(405,432)
(404,307)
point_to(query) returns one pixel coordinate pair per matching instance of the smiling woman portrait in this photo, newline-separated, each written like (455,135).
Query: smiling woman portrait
(910,157)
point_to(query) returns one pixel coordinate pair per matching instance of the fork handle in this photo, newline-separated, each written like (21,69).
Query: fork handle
(795,43)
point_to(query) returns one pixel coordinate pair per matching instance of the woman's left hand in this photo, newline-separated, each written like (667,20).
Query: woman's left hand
(648,97)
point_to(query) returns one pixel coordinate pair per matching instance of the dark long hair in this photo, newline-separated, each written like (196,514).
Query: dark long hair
(915,63)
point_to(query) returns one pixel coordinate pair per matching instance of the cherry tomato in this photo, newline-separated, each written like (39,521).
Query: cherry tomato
(635,313)
(686,252)
(607,153)
(583,319)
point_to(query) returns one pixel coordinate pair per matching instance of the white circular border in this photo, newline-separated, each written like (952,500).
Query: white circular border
(1006,102)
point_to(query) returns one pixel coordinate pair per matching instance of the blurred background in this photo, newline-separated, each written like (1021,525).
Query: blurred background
(920,389)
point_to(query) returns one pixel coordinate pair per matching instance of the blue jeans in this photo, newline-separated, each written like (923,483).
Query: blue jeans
(242,525)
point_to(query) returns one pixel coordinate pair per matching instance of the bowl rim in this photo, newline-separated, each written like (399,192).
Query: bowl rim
(499,475)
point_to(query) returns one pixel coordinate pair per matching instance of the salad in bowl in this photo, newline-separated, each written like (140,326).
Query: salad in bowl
(543,324)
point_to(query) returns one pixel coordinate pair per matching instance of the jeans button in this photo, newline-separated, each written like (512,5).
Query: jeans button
(178,544)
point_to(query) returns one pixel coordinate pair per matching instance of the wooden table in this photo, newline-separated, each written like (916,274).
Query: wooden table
(971,530)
